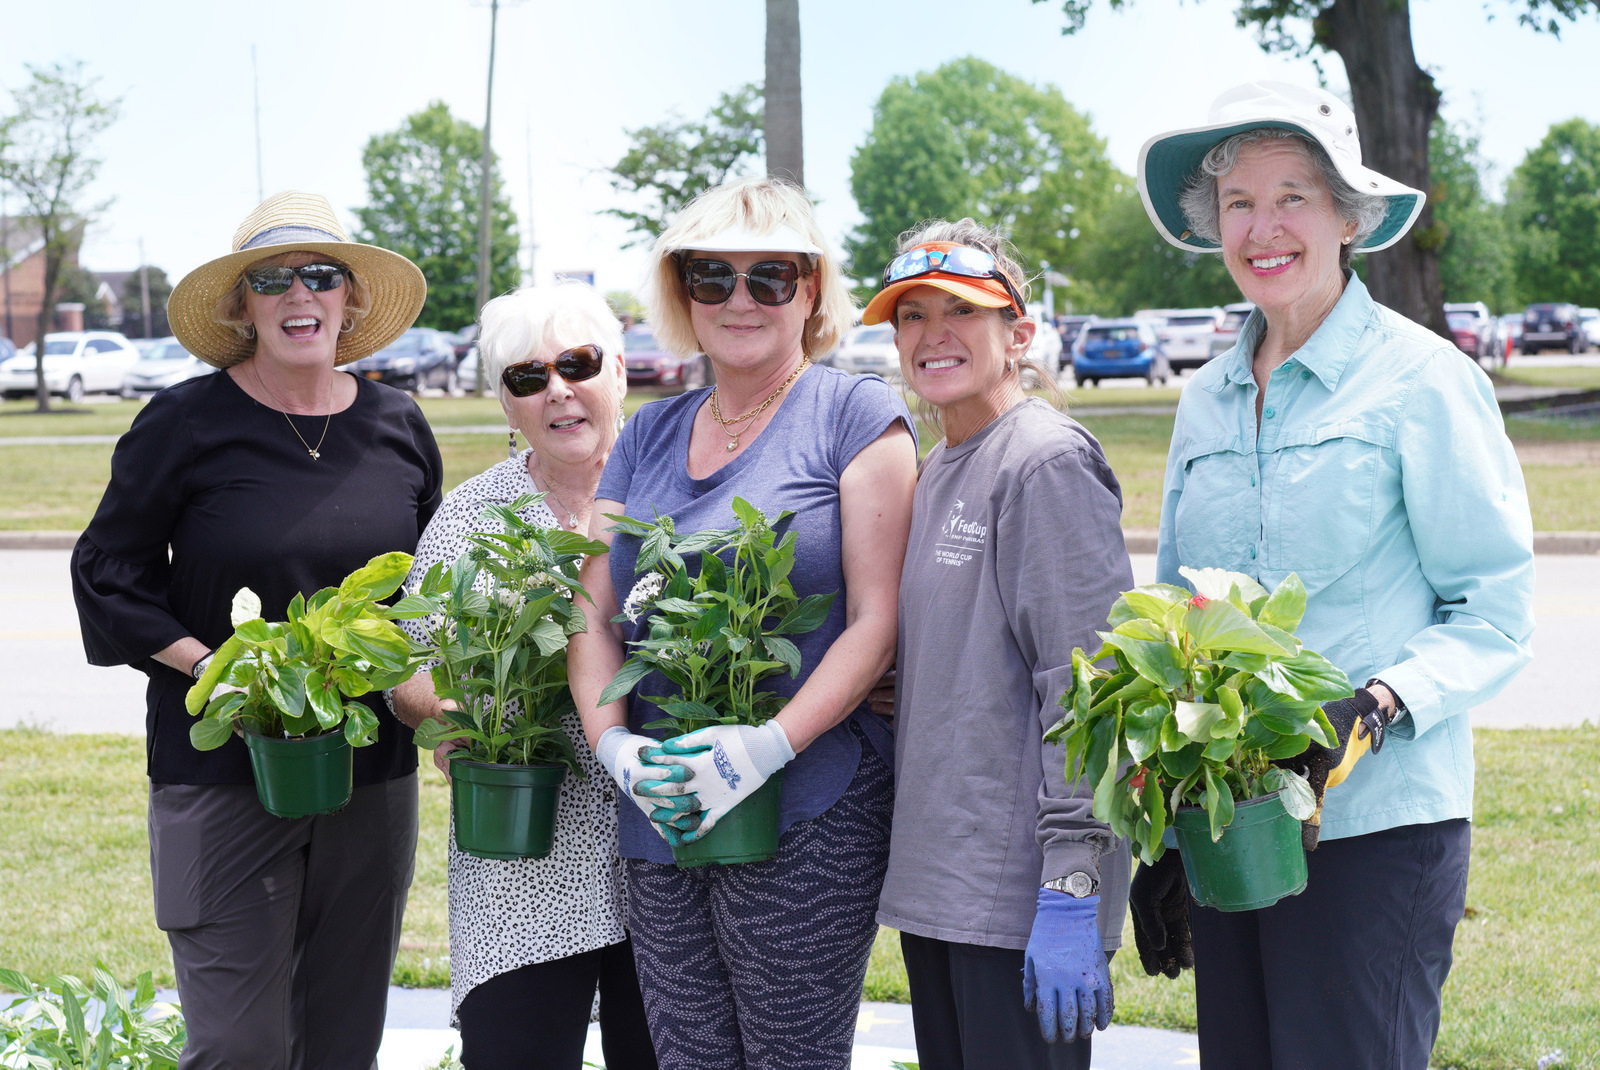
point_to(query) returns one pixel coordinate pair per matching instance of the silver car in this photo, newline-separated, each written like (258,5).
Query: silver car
(75,363)
(163,364)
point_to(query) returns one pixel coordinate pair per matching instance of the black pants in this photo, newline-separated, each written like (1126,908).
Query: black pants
(537,1017)
(1348,972)
(967,1012)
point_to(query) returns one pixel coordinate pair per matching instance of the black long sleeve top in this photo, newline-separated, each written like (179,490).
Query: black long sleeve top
(212,491)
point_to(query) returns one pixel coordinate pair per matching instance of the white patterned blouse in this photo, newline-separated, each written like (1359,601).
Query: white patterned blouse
(509,914)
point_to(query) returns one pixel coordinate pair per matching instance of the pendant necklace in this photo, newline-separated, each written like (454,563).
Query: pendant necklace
(733,437)
(549,496)
(315,452)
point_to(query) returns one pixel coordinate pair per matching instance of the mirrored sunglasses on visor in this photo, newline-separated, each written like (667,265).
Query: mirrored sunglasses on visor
(711,282)
(962,260)
(528,377)
(271,281)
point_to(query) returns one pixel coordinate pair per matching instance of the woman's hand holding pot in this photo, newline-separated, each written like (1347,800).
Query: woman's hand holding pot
(725,763)
(658,788)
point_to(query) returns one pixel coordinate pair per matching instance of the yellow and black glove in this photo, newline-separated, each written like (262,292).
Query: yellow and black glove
(1358,725)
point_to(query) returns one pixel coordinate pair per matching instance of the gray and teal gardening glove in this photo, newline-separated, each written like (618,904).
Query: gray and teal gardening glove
(657,787)
(726,763)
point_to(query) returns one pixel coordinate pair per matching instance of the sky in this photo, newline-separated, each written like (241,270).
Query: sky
(572,78)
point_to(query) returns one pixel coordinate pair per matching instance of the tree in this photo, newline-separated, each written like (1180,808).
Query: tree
(1474,254)
(785,143)
(969,139)
(45,155)
(673,161)
(78,285)
(133,304)
(422,193)
(1395,102)
(1553,206)
(1128,266)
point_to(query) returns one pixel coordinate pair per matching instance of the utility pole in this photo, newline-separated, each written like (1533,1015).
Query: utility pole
(5,251)
(144,286)
(533,242)
(483,187)
(261,187)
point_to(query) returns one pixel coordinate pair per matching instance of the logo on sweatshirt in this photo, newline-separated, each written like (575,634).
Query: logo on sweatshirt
(719,758)
(957,526)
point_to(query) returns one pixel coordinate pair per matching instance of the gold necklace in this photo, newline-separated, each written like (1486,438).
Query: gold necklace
(314,451)
(733,437)
(550,496)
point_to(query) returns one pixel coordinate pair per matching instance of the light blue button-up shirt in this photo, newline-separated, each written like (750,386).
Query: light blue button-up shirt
(1380,471)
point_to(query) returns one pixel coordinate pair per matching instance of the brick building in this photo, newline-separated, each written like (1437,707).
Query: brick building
(22,277)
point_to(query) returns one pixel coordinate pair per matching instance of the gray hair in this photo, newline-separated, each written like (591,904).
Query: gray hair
(570,313)
(969,231)
(1199,197)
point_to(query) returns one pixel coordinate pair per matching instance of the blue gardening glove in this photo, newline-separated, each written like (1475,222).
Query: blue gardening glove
(659,788)
(726,762)
(1064,975)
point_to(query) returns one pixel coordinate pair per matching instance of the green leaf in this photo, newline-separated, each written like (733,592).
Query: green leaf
(1181,763)
(15,981)
(633,670)
(377,579)
(1154,602)
(784,651)
(807,616)
(1219,803)
(549,637)
(209,733)
(77,1029)
(288,691)
(1221,626)
(413,606)
(1307,677)
(326,704)
(377,641)
(1298,798)
(1220,750)
(221,661)
(1286,605)
(1154,659)
(749,516)
(1141,726)
(360,724)
(1196,719)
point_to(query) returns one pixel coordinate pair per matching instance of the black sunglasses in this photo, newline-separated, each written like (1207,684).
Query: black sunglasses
(271,281)
(528,377)
(771,282)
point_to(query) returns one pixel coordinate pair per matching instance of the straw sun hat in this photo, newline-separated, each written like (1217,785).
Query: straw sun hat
(288,223)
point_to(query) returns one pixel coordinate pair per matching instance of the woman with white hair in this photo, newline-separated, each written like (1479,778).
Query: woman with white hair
(1343,442)
(531,939)
(758,964)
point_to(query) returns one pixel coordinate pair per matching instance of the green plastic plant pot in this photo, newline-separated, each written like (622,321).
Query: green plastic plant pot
(505,811)
(1258,860)
(747,833)
(301,777)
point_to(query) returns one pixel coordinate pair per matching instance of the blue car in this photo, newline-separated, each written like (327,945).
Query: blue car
(1119,349)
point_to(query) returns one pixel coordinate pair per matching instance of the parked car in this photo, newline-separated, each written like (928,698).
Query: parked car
(8,348)
(1472,326)
(1046,348)
(75,363)
(419,358)
(1120,349)
(1069,327)
(163,364)
(1186,335)
(650,365)
(1511,328)
(1552,325)
(1227,333)
(464,340)
(1589,319)
(869,349)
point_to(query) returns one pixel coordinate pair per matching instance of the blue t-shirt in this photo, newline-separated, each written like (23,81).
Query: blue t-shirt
(795,463)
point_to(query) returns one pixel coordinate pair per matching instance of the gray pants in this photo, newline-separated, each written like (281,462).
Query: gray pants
(283,932)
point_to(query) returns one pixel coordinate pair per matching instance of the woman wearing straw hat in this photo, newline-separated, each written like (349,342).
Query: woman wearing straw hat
(1343,442)
(532,939)
(1009,895)
(283,475)
(758,964)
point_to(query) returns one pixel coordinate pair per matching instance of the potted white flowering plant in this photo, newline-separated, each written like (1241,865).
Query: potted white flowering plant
(717,630)
(290,685)
(499,621)
(1179,718)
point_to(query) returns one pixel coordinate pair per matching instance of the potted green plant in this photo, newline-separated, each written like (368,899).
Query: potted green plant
(500,617)
(717,631)
(290,685)
(1179,718)
(66,1024)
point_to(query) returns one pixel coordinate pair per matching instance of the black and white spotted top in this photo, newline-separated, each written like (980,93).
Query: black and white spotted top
(504,915)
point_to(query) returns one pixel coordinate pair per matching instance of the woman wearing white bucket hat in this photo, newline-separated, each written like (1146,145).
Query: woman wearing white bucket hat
(280,474)
(1343,442)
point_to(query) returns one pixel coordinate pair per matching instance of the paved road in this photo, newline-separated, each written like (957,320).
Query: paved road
(46,681)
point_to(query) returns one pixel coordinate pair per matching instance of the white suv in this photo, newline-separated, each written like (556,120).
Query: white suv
(75,363)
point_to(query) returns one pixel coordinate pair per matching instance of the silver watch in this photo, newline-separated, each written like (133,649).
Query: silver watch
(1079,885)
(198,669)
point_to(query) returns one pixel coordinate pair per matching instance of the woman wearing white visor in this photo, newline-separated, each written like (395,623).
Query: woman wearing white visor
(1343,442)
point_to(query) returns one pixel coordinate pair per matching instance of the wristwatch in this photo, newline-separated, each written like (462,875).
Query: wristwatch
(1079,885)
(198,669)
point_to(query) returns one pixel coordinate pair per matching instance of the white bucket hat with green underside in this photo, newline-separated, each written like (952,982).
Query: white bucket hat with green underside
(1168,161)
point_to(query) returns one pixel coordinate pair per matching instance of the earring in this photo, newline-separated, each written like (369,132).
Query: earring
(249,330)
(1008,365)
(347,325)
(620,421)
(511,446)
(1347,239)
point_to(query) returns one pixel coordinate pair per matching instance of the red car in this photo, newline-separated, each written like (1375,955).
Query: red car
(649,365)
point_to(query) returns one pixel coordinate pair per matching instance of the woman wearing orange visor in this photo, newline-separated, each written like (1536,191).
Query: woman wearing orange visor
(1008,894)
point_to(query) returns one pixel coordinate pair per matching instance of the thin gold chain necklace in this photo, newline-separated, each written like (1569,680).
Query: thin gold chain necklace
(314,451)
(550,496)
(733,437)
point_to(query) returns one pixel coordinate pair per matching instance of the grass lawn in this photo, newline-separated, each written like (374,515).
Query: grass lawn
(1572,378)
(75,887)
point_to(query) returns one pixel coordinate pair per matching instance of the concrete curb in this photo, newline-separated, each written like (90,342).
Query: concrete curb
(1139,541)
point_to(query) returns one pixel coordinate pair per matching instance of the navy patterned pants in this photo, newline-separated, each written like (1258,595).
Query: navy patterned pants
(759,966)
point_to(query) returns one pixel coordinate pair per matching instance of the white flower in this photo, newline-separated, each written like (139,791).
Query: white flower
(644,592)
(246,607)
(1217,582)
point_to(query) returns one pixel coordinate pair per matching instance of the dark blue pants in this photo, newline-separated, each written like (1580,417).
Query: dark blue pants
(1345,974)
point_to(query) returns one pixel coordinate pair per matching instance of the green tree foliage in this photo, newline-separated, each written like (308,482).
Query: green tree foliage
(968,139)
(1129,266)
(1553,208)
(78,285)
(133,309)
(669,163)
(1475,258)
(422,193)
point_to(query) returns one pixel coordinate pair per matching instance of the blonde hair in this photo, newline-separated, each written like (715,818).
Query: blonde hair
(759,205)
(229,310)
(513,327)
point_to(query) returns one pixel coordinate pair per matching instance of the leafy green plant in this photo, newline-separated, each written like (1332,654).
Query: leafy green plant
(293,678)
(500,620)
(64,1024)
(720,631)
(1191,699)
